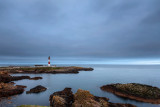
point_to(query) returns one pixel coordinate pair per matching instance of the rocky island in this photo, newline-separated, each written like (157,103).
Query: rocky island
(139,92)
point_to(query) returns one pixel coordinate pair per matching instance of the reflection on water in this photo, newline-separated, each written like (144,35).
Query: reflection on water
(89,80)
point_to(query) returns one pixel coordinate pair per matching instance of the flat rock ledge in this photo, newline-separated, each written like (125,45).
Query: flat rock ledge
(37,89)
(134,91)
(81,98)
(8,89)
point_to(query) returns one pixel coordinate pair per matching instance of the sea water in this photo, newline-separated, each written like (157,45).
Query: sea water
(88,80)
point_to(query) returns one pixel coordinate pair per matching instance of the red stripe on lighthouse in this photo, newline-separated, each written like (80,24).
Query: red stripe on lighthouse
(49,61)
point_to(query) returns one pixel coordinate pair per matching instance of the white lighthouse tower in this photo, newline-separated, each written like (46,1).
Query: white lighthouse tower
(49,64)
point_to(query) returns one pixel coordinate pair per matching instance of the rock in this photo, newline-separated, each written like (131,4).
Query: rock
(8,89)
(36,78)
(139,92)
(22,86)
(37,89)
(81,98)
(62,98)
(3,73)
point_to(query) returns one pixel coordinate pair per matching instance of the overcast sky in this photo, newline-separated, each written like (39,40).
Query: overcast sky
(79,29)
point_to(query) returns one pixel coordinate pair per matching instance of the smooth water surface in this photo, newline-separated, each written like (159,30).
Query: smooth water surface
(88,80)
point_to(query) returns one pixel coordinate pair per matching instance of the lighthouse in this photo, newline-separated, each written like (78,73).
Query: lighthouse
(49,64)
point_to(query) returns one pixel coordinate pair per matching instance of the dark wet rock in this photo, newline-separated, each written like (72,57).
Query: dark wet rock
(139,92)
(81,98)
(36,78)
(37,89)
(8,89)
(62,98)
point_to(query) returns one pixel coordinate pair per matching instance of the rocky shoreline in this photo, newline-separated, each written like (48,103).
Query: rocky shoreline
(7,87)
(134,91)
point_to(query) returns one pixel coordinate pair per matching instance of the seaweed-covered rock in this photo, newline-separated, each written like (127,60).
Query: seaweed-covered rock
(37,89)
(139,92)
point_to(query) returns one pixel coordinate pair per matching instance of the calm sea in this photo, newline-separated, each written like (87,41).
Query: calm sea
(88,80)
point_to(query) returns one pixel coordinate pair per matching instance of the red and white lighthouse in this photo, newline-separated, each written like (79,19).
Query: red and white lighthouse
(49,64)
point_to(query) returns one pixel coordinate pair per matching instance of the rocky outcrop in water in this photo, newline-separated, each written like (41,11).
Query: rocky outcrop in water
(37,89)
(81,98)
(139,92)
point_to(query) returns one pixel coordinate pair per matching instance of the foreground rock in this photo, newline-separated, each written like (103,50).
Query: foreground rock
(81,98)
(37,89)
(62,98)
(135,91)
(8,89)
(53,70)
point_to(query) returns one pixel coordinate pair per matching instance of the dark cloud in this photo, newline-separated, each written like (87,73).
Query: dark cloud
(93,29)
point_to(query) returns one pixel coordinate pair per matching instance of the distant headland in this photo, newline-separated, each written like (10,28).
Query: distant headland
(44,69)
